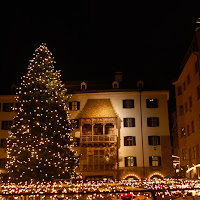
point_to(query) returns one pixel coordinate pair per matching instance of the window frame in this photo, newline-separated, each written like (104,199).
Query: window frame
(184,154)
(198,92)
(183,133)
(152,103)
(8,107)
(74,105)
(129,141)
(7,126)
(181,110)
(130,161)
(188,79)
(128,123)
(153,121)
(128,103)
(154,140)
(155,161)
(180,90)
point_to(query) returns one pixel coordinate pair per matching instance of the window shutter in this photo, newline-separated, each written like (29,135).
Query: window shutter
(4,143)
(124,103)
(159,161)
(157,121)
(150,140)
(132,103)
(125,122)
(126,162)
(133,122)
(135,162)
(77,142)
(148,121)
(150,161)
(70,105)
(134,140)
(125,141)
(158,140)
(78,105)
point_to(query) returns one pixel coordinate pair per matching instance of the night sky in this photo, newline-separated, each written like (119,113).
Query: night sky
(91,40)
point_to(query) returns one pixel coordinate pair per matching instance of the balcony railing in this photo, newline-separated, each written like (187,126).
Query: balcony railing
(89,139)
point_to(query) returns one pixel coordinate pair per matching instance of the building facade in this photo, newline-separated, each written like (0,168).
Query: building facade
(7,113)
(120,133)
(187,89)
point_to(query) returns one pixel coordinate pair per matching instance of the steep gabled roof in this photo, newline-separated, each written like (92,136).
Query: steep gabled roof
(97,108)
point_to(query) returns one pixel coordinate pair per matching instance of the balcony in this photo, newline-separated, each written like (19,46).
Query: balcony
(98,139)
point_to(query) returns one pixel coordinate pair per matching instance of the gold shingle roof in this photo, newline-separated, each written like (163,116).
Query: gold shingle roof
(98,108)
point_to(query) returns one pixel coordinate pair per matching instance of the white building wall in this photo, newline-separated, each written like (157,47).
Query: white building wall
(117,102)
(162,129)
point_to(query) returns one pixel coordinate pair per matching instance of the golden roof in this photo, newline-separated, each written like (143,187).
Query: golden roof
(98,108)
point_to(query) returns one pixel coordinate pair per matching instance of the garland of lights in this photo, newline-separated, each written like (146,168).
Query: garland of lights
(93,189)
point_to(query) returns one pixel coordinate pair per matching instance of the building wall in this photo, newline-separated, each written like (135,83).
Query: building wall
(140,111)
(5,115)
(190,114)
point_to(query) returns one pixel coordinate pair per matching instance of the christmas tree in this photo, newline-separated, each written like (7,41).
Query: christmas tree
(39,147)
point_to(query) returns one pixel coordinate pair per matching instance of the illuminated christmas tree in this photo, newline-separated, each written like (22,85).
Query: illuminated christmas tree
(39,147)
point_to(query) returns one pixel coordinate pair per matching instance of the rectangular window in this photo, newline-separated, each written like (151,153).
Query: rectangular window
(3,143)
(129,141)
(198,92)
(128,103)
(6,125)
(75,123)
(155,161)
(190,102)
(184,154)
(179,90)
(194,152)
(183,134)
(186,108)
(152,103)
(188,129)
(192,126)
(16,107)
(129,122)
(74,105)
(130,161)
(188,79)
(152,121)
(181,110)
(196,66)
(189,155)
(197,151)
(76,142)
(184,87)
(154,140)
(7,107)
(3,162)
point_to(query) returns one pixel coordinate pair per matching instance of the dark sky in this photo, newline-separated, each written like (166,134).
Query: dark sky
(92,39)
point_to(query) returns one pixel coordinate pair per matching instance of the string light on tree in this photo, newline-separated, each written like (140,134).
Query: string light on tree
(40,146)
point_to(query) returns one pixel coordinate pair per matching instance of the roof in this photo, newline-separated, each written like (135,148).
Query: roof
(193,48)
(95,108)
